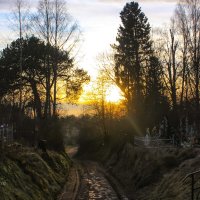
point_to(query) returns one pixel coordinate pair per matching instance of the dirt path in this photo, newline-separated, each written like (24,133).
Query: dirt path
(71,151)
(96,184)
(89,181)
(71,187)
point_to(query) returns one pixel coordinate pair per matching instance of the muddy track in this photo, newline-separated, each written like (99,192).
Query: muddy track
(88,181)
(71,188)
(97,184)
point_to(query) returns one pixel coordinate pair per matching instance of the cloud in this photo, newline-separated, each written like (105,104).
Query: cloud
(112,1)
(166,1)
(5,4)
(139,1)
(9,5)
(99,21)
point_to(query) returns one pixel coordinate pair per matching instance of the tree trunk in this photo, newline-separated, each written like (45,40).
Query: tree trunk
(37,100)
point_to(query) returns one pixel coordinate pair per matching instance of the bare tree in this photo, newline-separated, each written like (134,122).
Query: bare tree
(54,25)
(65,35)
(172,66)
(183,32)
(97,99)
(19,22)
(188,17)
(167,51)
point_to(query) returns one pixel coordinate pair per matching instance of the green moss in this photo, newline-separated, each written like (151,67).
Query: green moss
(26,175)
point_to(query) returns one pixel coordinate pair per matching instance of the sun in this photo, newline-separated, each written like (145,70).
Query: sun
(113,94)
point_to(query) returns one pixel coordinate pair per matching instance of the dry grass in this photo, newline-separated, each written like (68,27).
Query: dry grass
(154,174)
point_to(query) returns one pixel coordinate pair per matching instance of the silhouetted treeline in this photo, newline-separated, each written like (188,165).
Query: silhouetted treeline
(41,62)
(159,75)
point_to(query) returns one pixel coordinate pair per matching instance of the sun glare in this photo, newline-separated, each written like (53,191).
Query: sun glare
(113,94)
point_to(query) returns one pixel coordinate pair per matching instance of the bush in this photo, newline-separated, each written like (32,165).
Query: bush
(90,139)
(51,131)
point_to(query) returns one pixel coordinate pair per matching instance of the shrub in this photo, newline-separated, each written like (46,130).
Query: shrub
(90,139)
(51,131)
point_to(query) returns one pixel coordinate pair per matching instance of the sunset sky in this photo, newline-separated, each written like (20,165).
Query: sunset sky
(99,21)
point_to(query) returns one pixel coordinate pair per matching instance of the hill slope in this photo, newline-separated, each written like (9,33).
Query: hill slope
(151,174)
(27,174)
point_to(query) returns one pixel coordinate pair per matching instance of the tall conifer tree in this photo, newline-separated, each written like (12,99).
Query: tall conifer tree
(133,51)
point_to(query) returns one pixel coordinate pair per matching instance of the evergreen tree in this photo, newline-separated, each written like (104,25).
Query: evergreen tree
(133,51)
(155,101)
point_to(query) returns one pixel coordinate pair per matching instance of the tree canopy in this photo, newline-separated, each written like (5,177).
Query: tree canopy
(34,72)
(135,69)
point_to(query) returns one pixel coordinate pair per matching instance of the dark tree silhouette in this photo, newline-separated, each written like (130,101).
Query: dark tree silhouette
(34,71)
(133,52)
(156,103)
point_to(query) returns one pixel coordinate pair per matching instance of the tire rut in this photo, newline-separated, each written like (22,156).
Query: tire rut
(95,184)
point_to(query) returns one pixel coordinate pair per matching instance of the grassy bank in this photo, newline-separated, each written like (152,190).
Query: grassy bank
(148,174)
(154,174)
(28,174)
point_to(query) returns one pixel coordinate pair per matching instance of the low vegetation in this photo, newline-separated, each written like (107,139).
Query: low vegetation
(150,174)
(145,173)
(28,174)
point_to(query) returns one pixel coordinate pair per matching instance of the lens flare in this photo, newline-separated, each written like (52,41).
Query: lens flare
(113,94)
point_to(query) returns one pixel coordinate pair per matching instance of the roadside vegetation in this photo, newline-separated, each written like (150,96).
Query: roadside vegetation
(31,174)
